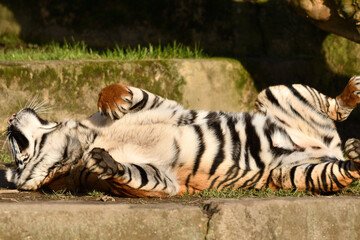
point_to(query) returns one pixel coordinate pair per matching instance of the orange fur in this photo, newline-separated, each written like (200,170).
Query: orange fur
(347,97)
(109,97)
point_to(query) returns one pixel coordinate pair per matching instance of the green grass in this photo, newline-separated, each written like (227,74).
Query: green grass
(60,194)
(95,193)
(353,190)
(243,193)
(5,157)
(79,50)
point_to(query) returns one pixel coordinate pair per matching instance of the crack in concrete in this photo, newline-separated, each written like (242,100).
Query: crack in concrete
(209,210)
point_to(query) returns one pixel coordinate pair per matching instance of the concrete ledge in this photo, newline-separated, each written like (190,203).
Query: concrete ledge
(286,218)
(100,221)
(276,218)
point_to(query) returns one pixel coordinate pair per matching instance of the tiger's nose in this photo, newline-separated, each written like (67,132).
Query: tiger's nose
(11,118)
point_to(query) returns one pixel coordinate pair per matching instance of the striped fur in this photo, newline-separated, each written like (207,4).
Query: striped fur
(141,145)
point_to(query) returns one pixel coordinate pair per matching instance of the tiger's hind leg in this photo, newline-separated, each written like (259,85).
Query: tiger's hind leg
(131,180)
(352,149)
(318,175)
(300,100)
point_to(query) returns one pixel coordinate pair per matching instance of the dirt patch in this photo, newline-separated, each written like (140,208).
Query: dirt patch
(10,195)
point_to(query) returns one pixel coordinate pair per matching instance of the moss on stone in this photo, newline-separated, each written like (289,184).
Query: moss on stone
(342,55)
(69,85)
(159,77)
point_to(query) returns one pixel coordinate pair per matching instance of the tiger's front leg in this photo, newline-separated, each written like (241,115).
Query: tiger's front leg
(352,149)
(118,99)
(131,180)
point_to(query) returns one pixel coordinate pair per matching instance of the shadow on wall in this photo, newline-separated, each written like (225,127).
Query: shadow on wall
(274,44)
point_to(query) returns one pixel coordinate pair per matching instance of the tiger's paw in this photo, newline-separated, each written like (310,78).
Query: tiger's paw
(352,149)
(350,97)
(115,100)
(102,163)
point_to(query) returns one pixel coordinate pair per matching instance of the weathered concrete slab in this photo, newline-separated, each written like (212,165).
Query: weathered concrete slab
(286,218)
(276,218)
(48,220)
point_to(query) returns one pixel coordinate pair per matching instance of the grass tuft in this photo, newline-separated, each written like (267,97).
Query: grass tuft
(242,193)
(60,194)
(95,193)
(79,50)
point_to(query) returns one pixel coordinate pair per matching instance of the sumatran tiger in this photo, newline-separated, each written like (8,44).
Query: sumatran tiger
(142,145)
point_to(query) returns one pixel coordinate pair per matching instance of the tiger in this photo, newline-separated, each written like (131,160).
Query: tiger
(140,144)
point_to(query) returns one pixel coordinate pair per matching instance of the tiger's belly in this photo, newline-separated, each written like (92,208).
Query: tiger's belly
(203,156)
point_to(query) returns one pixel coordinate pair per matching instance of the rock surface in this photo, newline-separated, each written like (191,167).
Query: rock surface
(275,218)
(72,87)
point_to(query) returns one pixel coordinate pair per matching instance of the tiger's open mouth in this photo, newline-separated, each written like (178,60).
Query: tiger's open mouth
(18,142)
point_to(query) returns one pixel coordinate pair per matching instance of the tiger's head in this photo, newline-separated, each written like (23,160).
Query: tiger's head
(25,130)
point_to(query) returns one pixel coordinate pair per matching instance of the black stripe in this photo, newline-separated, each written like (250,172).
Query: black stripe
(347,166)
(43,140)
(334,178)
(201,148)
(144,178)
(271,97)
(341,167)
(193,116)
(34,168)
(212,116)
(269,130)
(141,104)
(229,175)
(219,158)
(250,183)
(327,140)
(319,184)
(308,178)
(269,178)
(82,125)
(323,177)
(292,177)
(236,143)
(159,103)
(237,179)
(155,101)
(35,147)
(300,97)
(187,182)
(157,175)
(129,173)
(315,95)
(253,141)
(165,184)
(177,153)
(213,182)
(327,125)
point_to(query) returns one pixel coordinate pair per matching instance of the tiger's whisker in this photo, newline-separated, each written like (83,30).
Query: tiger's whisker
(41,104)
(33,101)
(7,138)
